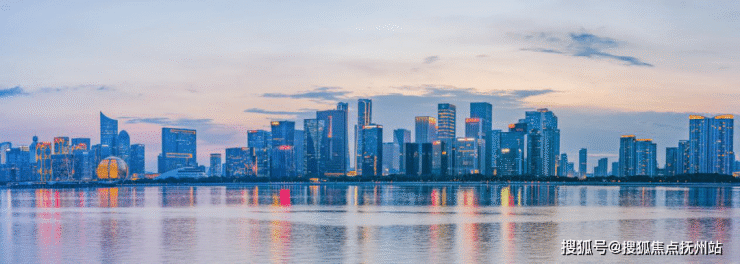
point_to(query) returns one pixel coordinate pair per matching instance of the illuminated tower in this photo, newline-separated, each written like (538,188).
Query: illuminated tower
(484,112)
(583,162)
(108,134)
(364,118)
(372,155)
(123,146)
(179,149)
(426,129)
(711,144)
(334,150)
(282,158)
(261,141)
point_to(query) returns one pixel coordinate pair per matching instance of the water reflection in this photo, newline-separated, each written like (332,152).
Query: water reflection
(435,223)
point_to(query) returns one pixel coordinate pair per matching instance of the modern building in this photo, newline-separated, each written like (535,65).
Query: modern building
(81,144)
(645,158)
(441,158)
(446,115)
(671,160)
(364,118)
(123,146)
(627,156)
(300,165)
(43,161)
(426,129)
(112,168)
(582,162)
(239,162)
(261,141)
(4,148)
(563,165)
(137,166)
(513,150)
(683,163)
(215,169)
(615,169)
(412,158)
(711,143)
(474,128)
(61,145)
(544,121)
(282,158)
(179,149)
(400,138)
(390,159)
(334,150)
(313,132)
(602,169)
(484,112)
(372,150)
(469,156)
(108,134)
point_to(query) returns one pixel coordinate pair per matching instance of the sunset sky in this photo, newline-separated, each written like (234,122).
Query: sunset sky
(605,68)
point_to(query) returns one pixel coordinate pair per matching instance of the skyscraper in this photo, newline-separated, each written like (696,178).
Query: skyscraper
(484,112)
(447,115)
(282,160)
(627,156)
(4,148)
(138,160)
(364,118)
(602,169)
(123,147)
(546,123)
(671,160)
(108,134)
(426,129)
(474,128)
(215,169)
(81,144)
(261,141)
(299,152)
(43,161)
(240,162)
(401,137)
(61,145)
(513,145)
(372,155)
(179,149)
(583,162)
(645,158)
(469,157)
(390,158)
(412,159)
(711,143)
(334,153)
(683,162)
(563,166)
(313,132)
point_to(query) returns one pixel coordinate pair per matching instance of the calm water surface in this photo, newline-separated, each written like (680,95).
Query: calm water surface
(427,223)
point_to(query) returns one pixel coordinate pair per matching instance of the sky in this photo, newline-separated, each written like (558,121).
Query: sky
(605,68)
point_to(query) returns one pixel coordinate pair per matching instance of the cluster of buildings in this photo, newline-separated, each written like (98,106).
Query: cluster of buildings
(531,146)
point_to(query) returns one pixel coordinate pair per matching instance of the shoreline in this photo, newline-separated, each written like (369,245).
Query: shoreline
(461,183)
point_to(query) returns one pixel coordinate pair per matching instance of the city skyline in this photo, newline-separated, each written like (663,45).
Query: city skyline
(615,66)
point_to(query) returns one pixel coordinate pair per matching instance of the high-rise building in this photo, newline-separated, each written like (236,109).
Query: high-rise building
(108,133)
(627,156)
(533,157)
(474,128)
(615,169)
(123,148)
(18,167)
(179,149)
(43,161)
(602,169)
(446,115)
(313,132)
(671,158)
(513,150)
(61,145)
(426,129)
(412,159)
(484,112)
(683,162)
(583,162)
(364,118)
(137,166)
(400,138)
(563,165)
(334,154)
(83,163)
(390,158)
(426,152)
(645,158)
(215,169)
(711,143)
(4,148)
(469,156)
(544,121)
(62,167)
(300,164)
(440,158)
(282,160)
(81,144)
(240,162)
(261,141)
(372,155)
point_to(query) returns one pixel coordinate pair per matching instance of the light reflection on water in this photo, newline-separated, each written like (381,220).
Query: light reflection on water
(432,223)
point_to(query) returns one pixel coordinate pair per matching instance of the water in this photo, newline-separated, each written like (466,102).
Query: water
(419,223)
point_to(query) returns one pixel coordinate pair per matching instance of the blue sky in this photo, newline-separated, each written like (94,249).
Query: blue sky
(225,67)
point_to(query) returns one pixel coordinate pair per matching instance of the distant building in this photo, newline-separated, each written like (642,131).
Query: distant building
(711,143)
(298,144)
(615,168)
(484,112)
(582,162)
(412,159)
(43,161)
(261,142)
(563,165)
(426,129)
(683,161)
(123,146)
(390,158)
(627,156)
(645,158)
(215,169)
(671,160)
(313,133)
(138,159)
(400,138)
(469,156)
(334,149)
(364,118)
(546,123)
(282,159)
(179,149)
(441,158)
(240,162)
(81,144)
(513,150)
(4,148)
(372,155)
(61,145)
(602,169)
(108,134)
